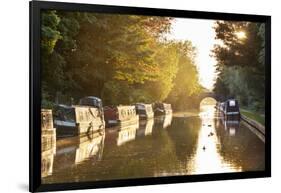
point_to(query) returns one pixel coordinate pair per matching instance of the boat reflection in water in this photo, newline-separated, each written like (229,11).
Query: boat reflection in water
(207,158)
(91,148)
(75,150)
(164,121)
(121,134)
(167,120)
(48,150)
(48,142)
(145,127)
(47,161)
(231,126)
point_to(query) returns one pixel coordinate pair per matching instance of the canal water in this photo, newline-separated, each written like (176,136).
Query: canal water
(163,146)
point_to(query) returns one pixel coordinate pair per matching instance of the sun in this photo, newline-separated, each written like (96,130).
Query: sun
(240,35)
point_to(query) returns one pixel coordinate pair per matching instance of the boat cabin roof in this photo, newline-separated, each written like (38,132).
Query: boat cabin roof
(91,97)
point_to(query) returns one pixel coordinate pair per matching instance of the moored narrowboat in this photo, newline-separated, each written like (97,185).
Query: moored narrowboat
(231,109)
(145,111)
(77,120)
(91,101)
(162,109)
(120,115)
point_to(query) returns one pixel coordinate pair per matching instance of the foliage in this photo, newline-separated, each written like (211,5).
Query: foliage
(184,94)
(241,63)
(122,59)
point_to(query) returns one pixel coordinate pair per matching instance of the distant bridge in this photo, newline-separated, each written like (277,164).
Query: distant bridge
(208,94)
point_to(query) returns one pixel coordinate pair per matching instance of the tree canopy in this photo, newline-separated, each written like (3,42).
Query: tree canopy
(122,59)
(241,65)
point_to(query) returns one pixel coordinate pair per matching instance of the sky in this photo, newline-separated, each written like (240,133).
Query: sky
(202,35)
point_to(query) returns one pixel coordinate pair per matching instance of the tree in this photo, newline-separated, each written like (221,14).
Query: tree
(241,64)
(187,86)
(122,59)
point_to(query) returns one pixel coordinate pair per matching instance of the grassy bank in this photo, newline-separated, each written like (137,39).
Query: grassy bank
(253,115)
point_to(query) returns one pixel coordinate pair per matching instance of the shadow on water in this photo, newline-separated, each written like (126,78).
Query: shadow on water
(162,146)
(240,145)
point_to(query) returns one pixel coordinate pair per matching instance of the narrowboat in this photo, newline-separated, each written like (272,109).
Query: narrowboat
(162,109)
(91,101)
(144,111)
(77,120)
(231,109)
(120,115)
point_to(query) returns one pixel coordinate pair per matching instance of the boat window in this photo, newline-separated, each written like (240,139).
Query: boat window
(232,103)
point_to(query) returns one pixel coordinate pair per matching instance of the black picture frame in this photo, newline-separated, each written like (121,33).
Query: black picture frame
(35,95)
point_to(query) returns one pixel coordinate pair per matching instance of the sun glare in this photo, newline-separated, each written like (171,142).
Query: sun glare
(240,35)
(202,36)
